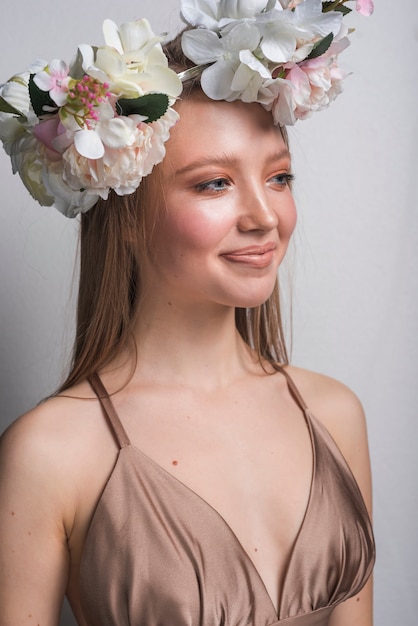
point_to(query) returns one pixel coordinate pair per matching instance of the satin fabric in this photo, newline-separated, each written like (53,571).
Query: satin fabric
(157,554)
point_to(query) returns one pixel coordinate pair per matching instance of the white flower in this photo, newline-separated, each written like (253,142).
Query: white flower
(287,31)
(240,9)
(16,93)
(15,130)
(68,201)
(276,95)
(15,90)
(279,35)
(107,130)
(233,64)
(200,13)
(12,128)
(54,79)
(120,169)
(27,162)
(204,46)
(12,132)
(309,18)
(132,62)
(213,14)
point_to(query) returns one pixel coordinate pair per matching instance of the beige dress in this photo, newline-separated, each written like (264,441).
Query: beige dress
(157,554)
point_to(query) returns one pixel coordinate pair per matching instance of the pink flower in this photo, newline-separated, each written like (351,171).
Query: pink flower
(54,78)
(47,133)
(308,86)
(316,83)
(365,7)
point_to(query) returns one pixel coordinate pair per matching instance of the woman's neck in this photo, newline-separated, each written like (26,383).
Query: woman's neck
(198,347)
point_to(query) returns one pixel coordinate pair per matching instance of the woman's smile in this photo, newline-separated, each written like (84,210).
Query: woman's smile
(252,256)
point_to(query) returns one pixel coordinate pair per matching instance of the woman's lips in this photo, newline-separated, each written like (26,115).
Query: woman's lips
(253,256)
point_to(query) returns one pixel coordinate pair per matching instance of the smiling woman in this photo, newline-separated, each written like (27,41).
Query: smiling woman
(214,494)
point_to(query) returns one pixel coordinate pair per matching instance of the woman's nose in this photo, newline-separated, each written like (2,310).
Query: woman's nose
(257,213)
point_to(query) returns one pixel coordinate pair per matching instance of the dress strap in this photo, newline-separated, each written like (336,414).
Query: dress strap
(294,390)
(109,411)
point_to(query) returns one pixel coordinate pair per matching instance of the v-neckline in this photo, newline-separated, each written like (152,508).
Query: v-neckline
(124,442)
(217,515)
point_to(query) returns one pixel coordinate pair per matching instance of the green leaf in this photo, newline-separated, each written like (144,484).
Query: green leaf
(39,98)
(334,6)
(329,6)
(152,106)
(321,47)
(5,107)
(344,10)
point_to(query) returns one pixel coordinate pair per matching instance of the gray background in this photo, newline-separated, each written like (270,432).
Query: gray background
(353,262)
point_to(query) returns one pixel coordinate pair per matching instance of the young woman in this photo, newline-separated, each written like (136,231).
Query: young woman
(179,477)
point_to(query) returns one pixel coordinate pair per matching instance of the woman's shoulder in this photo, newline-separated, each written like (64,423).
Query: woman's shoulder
(335,405)
(55,422)
(325,392)
(46,454)
(55,437)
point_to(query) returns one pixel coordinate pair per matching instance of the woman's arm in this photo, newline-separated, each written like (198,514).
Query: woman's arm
(34,499)
(351,437)
(343,416)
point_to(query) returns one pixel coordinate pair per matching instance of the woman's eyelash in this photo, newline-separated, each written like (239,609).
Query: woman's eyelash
(283,179)
(220,184)
(217,184)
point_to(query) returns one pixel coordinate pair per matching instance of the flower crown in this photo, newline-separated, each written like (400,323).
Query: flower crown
(75,132)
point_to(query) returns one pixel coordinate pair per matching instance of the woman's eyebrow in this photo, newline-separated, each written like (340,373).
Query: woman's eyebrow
(225,159)
(204,161)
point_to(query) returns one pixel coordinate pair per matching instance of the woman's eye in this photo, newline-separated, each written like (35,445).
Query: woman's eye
(218,184)
(283,179)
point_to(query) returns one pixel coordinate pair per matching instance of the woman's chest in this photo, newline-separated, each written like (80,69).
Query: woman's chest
(247,461)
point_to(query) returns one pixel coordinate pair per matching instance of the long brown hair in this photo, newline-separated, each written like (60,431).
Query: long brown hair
(115,237)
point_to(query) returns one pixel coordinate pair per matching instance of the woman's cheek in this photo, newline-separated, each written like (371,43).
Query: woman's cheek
(198,228)
(287,223)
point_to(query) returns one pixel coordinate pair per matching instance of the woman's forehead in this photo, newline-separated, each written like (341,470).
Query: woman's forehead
(216,128)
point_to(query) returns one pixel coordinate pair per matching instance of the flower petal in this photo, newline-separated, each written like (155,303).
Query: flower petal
(15,92)
(249,59)
(308,15)
(279,48)
(58,68)
(135,35)
(109,62)
(246,83)
(240,9)
(217,79)
(201,46)
(365,7)
(43,80)
(66,200)
(117,132)
(88,144)
(200,13)
(47,131)
(111,35)
(160,80)
(242,36)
